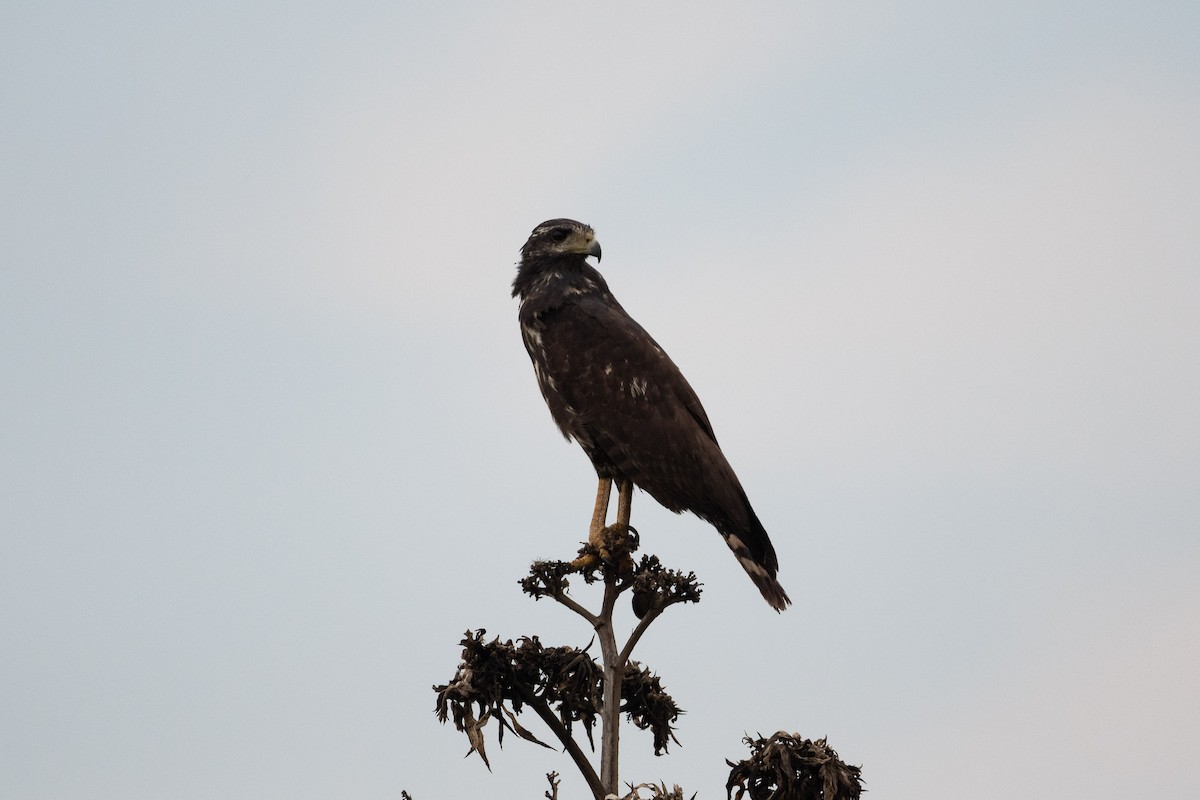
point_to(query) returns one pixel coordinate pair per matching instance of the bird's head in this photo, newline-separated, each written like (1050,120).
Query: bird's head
(561,237)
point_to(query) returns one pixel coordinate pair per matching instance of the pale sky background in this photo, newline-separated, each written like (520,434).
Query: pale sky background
(269,441)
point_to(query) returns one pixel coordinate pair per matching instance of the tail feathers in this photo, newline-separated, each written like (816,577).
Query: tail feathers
(761,571)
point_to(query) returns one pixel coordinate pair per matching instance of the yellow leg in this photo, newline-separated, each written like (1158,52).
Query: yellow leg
(619,531)
(603,493)
(596,531)
(624,503)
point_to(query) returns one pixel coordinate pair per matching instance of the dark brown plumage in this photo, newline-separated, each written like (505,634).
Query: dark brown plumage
(612,389)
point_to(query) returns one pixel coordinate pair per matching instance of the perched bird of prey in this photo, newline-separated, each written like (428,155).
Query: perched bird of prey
(612,389)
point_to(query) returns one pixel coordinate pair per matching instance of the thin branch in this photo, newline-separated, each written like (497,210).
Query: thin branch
(570,603)
(542,708)
(643,623)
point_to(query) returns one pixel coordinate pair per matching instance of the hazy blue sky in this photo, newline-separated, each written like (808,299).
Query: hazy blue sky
(269,441)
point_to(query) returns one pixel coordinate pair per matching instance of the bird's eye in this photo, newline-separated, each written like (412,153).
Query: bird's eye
(559,235)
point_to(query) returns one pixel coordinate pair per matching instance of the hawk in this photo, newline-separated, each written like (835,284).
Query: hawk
(612,389)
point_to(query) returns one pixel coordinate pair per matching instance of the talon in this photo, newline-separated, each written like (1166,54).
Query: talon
(587,560)
(620,540)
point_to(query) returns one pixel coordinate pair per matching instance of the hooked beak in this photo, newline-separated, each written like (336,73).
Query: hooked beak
(594,249)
